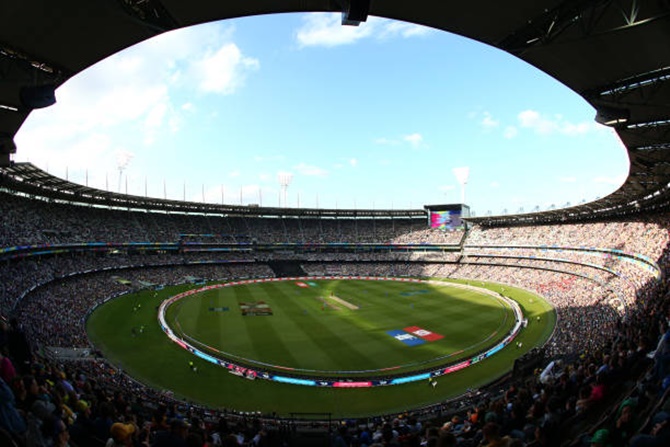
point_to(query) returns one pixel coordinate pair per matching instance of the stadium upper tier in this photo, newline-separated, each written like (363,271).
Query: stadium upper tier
(45,220)
(25,178)
(612,53)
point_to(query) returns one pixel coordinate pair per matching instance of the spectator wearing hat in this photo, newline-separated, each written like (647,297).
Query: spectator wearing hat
(121,434)
(624,426)
(600,438)
(82,431)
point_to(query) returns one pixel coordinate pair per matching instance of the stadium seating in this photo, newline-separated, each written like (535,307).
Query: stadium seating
(604,278)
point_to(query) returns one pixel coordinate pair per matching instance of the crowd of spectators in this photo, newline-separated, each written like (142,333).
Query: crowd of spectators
(53,315)
(30,222)
(601,349)
(19,276)
(642,235)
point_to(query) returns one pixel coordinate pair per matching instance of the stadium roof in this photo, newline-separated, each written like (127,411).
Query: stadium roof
(30,180)
(614,53)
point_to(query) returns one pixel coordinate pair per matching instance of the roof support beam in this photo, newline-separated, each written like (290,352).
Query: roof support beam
(151,13)
(581,18)
(355,11)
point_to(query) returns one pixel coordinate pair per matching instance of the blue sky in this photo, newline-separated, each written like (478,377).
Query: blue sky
(376,116)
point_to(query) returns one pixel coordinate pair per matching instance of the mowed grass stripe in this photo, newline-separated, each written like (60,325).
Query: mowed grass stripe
(387,311)
(263,335)
(304,334)
(249,344)
(200,323)
(320,331)
(436,311)
(287,321)
(363,329)
(448,312)
(200,313)
(258,337)
(368,325)
(378,315)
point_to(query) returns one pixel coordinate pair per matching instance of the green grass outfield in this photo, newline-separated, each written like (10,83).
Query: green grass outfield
(305,334)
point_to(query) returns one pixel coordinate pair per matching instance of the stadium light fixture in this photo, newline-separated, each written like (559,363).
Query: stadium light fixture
(612,117)
(285,179)
(8,108)
(462,174)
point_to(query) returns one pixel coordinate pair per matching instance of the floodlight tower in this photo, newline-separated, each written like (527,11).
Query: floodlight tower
(120,168)
(462,175)
(284,180)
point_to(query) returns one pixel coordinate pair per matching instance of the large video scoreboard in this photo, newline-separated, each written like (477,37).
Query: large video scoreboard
(447,217)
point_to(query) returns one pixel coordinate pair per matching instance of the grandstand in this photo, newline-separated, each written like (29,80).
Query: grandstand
(603,265)
(599,275)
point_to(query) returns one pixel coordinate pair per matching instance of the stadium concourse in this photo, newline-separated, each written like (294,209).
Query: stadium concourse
(605,278)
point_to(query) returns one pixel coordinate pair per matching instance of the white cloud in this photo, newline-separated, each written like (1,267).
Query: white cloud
(96,100)
(403,29)
(310,170)
(224,70)
(494,184)
(343,163)
(532,119)
(174,123)
(414,139)
(488,122)
(153,122)
(576,129)
(326,30)
(386,141)
(616,181)
(94,150)
(446,188)
(129,92)
(510,132)
(542,125)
